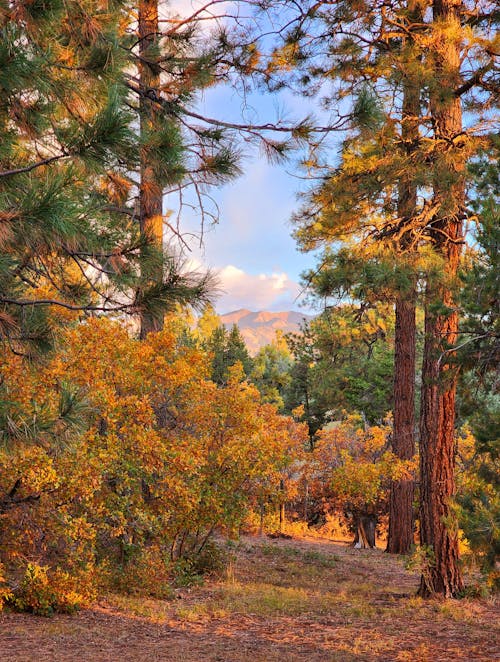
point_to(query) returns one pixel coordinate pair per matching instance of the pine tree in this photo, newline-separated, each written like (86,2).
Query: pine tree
(437,418)
(172,65)
(300,391)
(451,57)
(271,371)
(65,138)
(150,188)
(400,537)
(71,237)
(227,349)
(378,165)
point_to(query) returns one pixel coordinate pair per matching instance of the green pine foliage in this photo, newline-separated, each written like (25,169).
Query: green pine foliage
(479,393)
(67,133)
(69,232)
(271,372)
(227,348)
(343,362)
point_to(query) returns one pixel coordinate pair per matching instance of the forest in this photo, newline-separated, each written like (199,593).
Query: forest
(140,440)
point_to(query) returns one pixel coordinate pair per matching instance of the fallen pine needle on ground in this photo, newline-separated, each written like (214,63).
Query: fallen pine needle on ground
(286,600)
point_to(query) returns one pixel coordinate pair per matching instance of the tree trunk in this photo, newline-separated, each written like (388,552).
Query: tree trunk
(282,506)
(437,460)
(438,532)
(400,535)
(150,191)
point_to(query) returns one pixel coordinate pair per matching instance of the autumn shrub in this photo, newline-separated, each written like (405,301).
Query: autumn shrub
(122,460)
(349,471)
(198,561)
(44,591)
(5,590)
(264,519)
(46,538)
(35,593)
(149,573)
(212,559)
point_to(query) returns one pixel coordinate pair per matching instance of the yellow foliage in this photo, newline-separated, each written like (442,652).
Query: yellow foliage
(5,591)
(43,591)
(352,466)
(161,457)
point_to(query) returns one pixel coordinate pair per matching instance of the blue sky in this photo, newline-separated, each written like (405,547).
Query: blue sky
(250,247)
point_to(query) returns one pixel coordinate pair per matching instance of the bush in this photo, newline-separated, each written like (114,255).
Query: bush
(146,573)
(43,591)
(478,509)
(193,565)
(211,560)
(5,592)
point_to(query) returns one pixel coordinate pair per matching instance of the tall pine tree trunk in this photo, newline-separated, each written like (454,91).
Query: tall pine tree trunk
(437,419)
(150,190)
(400,536)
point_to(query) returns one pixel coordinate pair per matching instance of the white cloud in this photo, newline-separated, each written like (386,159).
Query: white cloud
(275,291)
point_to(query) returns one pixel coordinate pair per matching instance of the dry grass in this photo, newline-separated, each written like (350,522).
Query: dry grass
(278,600)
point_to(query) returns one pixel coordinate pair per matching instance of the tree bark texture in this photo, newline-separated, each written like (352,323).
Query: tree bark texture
(400,535)
(150,191)
(438,531)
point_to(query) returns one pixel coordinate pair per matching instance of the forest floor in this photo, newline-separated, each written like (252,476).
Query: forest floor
(288,600)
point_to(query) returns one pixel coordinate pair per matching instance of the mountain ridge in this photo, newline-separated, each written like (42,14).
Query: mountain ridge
(258,328)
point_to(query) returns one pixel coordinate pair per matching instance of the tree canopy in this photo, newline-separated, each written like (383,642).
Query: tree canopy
(131,431)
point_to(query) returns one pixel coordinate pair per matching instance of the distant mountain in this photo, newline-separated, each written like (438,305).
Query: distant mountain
(259,329)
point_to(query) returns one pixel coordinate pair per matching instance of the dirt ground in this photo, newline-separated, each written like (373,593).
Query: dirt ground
(287,600)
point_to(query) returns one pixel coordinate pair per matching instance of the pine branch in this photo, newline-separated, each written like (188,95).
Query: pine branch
(476,79)
(253,129)
(33,166)
(63,304)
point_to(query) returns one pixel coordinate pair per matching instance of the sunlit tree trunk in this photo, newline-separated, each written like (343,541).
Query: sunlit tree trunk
(438,531)
(150,191)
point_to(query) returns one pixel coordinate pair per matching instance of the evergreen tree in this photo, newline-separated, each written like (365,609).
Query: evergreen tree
(271,371)
(150,183)
(479,348)
(377,173)
(70,238)
(216,346)
(65,138)
(173,64)
(400,537)
(227,349)
(479,357)
(236,350)
(343,362)
(449,52)
(301,392)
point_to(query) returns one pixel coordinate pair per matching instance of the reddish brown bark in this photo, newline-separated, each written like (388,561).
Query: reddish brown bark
(150,191)
(400,538)
(437,420)
(437,459)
